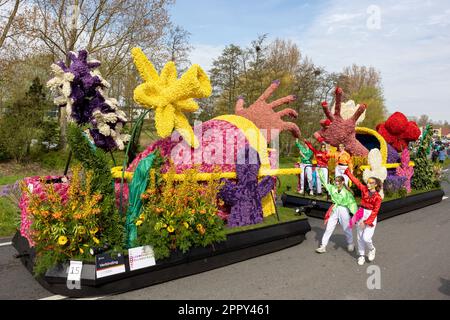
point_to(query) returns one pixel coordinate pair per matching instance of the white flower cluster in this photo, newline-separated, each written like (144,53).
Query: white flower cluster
(61,86)
(104,122)
(108,124)
(377,169)
(348,109)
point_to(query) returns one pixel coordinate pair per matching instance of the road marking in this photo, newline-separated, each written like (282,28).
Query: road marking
(56,297)
(93,298)
(444,198)
(5,244)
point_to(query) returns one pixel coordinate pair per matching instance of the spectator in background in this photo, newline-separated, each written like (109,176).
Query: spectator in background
(434,154)
(442,155)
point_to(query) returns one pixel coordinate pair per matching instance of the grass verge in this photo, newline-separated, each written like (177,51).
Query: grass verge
(286,215)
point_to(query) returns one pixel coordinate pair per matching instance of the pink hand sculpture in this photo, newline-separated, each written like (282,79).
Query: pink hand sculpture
(261,113)
(336,130)
(405,170)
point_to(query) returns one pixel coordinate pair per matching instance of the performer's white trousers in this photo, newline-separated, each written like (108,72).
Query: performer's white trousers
(306,169)
(339,171)
(365,235)
(325,175)
(342,215)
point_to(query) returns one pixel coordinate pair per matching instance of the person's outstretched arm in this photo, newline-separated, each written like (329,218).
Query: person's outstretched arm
(355,180)
(301,147)
(311,147)
(327,186)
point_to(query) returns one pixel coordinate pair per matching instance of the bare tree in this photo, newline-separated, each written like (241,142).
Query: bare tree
(354,78)
(178,47)
(4,31)
(108,29)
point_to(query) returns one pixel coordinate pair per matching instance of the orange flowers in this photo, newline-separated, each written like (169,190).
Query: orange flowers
(57,215)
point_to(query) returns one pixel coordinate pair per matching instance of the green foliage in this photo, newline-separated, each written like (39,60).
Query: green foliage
(402,193)
(22,122)
(49,134)
(9,217)
(179,215)
(65,225)
(95,159)
(424,177)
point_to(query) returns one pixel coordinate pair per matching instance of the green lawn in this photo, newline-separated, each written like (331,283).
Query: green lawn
(9,217)
(290,180)
(285,214)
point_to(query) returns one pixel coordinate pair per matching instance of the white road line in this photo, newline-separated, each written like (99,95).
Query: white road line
(56,297)
(92,298)
(5,244)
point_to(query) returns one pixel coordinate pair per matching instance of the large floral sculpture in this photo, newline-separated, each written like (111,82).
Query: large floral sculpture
(262,115)
(348,109)
(80,89)
(244,197)
(336,130)
(405,170)
(398,131)
(169,96)
(219,139)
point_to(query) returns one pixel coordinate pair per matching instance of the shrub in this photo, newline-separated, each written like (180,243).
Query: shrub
(180,215)
(65,228)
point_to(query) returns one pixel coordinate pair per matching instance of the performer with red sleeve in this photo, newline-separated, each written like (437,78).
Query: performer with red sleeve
(370,205)
(322,157)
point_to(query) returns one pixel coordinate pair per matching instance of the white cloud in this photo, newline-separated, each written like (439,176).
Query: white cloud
(411,49)
(204,54)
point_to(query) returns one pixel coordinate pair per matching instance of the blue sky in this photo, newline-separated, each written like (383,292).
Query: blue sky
(408,41)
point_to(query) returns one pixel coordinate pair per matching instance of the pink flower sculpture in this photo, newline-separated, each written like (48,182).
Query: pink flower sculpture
(336,130)
(261,113)
(405,170)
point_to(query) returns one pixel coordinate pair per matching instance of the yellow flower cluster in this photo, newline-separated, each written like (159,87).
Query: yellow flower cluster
(63,222)
(170,96)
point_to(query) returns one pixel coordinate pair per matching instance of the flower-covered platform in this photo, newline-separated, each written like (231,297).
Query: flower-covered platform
(389,208)
(239,246)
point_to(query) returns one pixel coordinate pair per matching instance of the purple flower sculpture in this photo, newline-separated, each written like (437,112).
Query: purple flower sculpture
(80,87)
(244,196)
(392,154)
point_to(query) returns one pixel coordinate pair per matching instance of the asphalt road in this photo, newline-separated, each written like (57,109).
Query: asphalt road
(413,256)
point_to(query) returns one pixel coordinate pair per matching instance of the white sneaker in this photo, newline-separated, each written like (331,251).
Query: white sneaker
(371,255)
(301,191)
(351,247)
(361,260)
(321,249)
(311,193)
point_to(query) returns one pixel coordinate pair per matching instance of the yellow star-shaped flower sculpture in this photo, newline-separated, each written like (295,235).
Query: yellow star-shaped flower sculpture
(169,96)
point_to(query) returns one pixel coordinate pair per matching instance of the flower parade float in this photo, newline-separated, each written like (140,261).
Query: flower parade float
(409,180)
(197,199)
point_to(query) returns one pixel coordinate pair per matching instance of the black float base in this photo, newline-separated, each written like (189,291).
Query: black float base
(239,246)
(388,209)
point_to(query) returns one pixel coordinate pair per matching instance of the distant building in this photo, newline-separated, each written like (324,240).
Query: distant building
(445,132)
(439,132)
